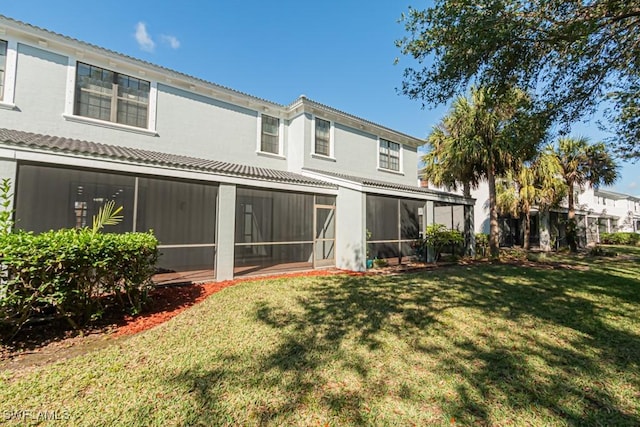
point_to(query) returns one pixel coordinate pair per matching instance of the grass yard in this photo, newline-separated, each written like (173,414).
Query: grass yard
(482,344)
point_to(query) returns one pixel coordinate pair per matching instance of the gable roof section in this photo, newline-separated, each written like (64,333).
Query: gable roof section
(226,93)
(79,44)
(614,195)
(344,118)
(134,155)
(372,183)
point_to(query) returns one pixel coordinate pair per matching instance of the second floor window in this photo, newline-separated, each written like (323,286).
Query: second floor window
(3,65)
(389,155)
(270,139)
(106,95)
(323,137)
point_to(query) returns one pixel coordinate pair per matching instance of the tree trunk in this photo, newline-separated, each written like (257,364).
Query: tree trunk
(469,229)
(466,190)
(527,229)
(571,202)
(494,243)
(572,228)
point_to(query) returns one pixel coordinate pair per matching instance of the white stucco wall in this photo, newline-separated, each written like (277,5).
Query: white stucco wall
(356,153)
(187,123)
(623,209)
(351,230)
(297,142)
(481,208)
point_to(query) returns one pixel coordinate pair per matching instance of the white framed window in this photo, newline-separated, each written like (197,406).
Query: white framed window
(110,96)
(270,135)
(323,137)
(8,65)
(389,154)
(3,65)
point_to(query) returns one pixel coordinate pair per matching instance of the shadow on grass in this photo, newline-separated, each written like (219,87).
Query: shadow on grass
(514,368)
(35,336)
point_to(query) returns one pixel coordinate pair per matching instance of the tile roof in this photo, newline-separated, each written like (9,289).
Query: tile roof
(614,194)
(383,184)
(135,155)
(325,107)
(113,53)
(178,74)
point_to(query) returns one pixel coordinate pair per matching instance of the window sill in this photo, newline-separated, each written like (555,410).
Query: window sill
(323,157)
(110,125)
(272,155)
(8,106)
(390,171)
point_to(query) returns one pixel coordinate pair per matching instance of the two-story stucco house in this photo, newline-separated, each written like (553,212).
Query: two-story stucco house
(597,211)
(230,183)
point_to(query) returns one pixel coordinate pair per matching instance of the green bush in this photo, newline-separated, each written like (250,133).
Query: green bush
(73,273)
(620,238)
(482,243)
(380,263)
(437,237)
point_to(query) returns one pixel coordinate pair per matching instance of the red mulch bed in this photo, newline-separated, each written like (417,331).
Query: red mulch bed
(166,303)
(41,344)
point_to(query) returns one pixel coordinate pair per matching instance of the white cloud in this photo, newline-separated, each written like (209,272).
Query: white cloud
(172,41)
(145,42)
(633,185)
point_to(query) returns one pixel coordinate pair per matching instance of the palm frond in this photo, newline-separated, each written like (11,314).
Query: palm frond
(108,214)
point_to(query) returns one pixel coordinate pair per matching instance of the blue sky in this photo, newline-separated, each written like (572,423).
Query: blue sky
(339,53)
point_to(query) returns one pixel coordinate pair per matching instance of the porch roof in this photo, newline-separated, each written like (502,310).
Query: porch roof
(65,145)
(385,185)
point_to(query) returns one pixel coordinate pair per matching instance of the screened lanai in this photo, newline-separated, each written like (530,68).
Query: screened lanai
(396,215)
(282,231)
(274,230)
(394,224)
(281,222)
(181,213)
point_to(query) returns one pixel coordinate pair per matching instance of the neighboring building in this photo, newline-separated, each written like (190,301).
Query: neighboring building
(614,211)
(230,183)
(597,211)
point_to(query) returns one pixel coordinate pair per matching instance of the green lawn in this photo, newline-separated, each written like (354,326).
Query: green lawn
(466,345)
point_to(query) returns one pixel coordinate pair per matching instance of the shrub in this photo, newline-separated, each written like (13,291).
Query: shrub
(620,238)
(69,273)
(380,262)
(6,199)
(437,237)
(482,243)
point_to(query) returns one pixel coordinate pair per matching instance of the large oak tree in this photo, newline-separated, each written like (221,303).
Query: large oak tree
(573,54)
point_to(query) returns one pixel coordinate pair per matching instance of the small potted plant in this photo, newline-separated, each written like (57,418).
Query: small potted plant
(380,263)
(369,260)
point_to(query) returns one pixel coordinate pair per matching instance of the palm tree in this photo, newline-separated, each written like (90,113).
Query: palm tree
(444,165)
(583,164)
(485,137)
(535,184)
